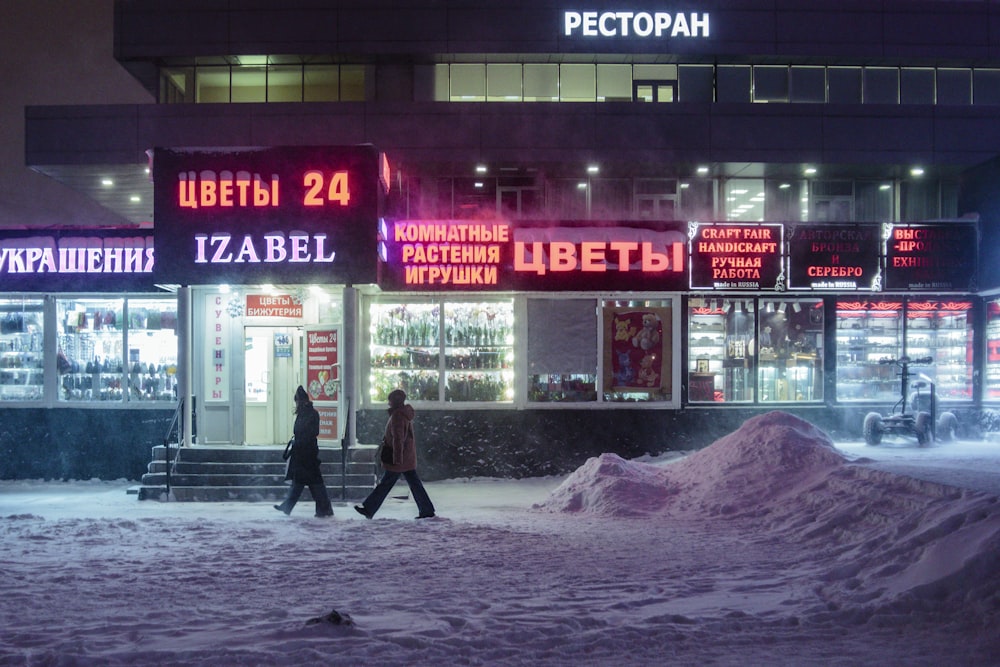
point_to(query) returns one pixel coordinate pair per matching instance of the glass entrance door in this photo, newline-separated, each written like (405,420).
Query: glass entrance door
(273,360)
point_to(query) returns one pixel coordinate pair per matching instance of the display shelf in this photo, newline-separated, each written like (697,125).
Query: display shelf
(942,331)
(22,363)
(458,352)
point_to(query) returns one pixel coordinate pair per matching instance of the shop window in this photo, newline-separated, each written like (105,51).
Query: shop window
(249,84)
(321,83)
(117,350)
(770,83)
(212,85)
(696,199)
(614,83)
(352,83)
(695,83)
(610,198)
(881,85)
(151,336)
(177,85)
(783,199)
(468,83)
(438,350)
(991,384)
(844,85)
(808,84)
(654,91)
(868,332)
(561,349)
(874,201)
(284,83)
(986,86)
(22,360)
(720,350)
(637,355)
(567,198)
(733,83)
(916,85)
(941,331)
(789,347)
(577,83)
(503,83)
(954,86)
(541,83)
(919,199)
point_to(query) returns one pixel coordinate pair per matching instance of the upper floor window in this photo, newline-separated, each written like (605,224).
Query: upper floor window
(264,82)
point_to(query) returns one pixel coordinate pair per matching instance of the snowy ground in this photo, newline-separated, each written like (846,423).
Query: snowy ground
(770,547)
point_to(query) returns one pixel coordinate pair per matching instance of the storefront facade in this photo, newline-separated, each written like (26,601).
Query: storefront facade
(595,237)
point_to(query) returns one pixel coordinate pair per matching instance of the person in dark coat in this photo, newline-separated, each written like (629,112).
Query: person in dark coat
(399,438)
(303,459)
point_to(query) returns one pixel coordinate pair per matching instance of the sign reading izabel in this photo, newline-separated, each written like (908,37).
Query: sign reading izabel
(293,214)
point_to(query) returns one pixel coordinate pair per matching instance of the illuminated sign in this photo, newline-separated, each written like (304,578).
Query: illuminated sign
(838,257)
(940,256)
(291,214)
(736,257)
(322,364)
(273,305)
(497,255)
(635,24)
(72,259)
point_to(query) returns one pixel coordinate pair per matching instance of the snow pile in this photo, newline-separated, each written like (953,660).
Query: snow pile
(894,538)
(756,466)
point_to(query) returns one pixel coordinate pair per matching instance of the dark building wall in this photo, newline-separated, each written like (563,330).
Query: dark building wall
(528,443)
(980,193)
(541,132)
(889,29)
(71,443)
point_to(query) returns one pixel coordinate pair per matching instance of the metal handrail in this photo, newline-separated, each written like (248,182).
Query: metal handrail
(166,444)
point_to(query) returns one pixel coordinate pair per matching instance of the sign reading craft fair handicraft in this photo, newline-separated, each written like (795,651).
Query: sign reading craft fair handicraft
(547,256)
(939,256)
(736,257)
(835,257)
(292,214)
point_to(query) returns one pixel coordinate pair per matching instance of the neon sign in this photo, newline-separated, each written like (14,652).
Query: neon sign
(932,256)
(841,257)
(736,256)
(292,214)
(635,24)
(446,254)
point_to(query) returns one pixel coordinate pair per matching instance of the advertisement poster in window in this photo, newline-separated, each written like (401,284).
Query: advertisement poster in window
(637,353)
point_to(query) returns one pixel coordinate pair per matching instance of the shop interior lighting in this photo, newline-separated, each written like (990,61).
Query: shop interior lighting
(478,184)
(796,307)
(809,171)
(581,186)
(135,199)
(593,169)
(783,308)
(224,288)
(885,187)
(702,171)
(480,168)
(107,182)
(784,186)
(917,171)
(684,185)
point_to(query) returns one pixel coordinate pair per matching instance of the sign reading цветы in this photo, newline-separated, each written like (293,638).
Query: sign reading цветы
(635,24)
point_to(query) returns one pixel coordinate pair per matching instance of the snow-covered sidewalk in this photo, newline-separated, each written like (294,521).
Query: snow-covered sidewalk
(769,547)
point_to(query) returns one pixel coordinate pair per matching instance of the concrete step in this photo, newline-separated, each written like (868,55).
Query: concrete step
(203,473)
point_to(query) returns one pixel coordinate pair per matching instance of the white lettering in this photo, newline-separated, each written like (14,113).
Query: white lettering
(638,24)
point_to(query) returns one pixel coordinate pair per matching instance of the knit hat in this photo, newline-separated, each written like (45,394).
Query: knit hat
(301,396)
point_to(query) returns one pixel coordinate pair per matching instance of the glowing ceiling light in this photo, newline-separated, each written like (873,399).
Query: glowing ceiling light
(702,170)
(107,182)
(917,171)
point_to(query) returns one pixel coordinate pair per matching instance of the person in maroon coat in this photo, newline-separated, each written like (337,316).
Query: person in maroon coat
(400,441)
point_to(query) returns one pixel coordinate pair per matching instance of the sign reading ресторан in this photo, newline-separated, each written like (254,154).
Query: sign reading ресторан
(623,23)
